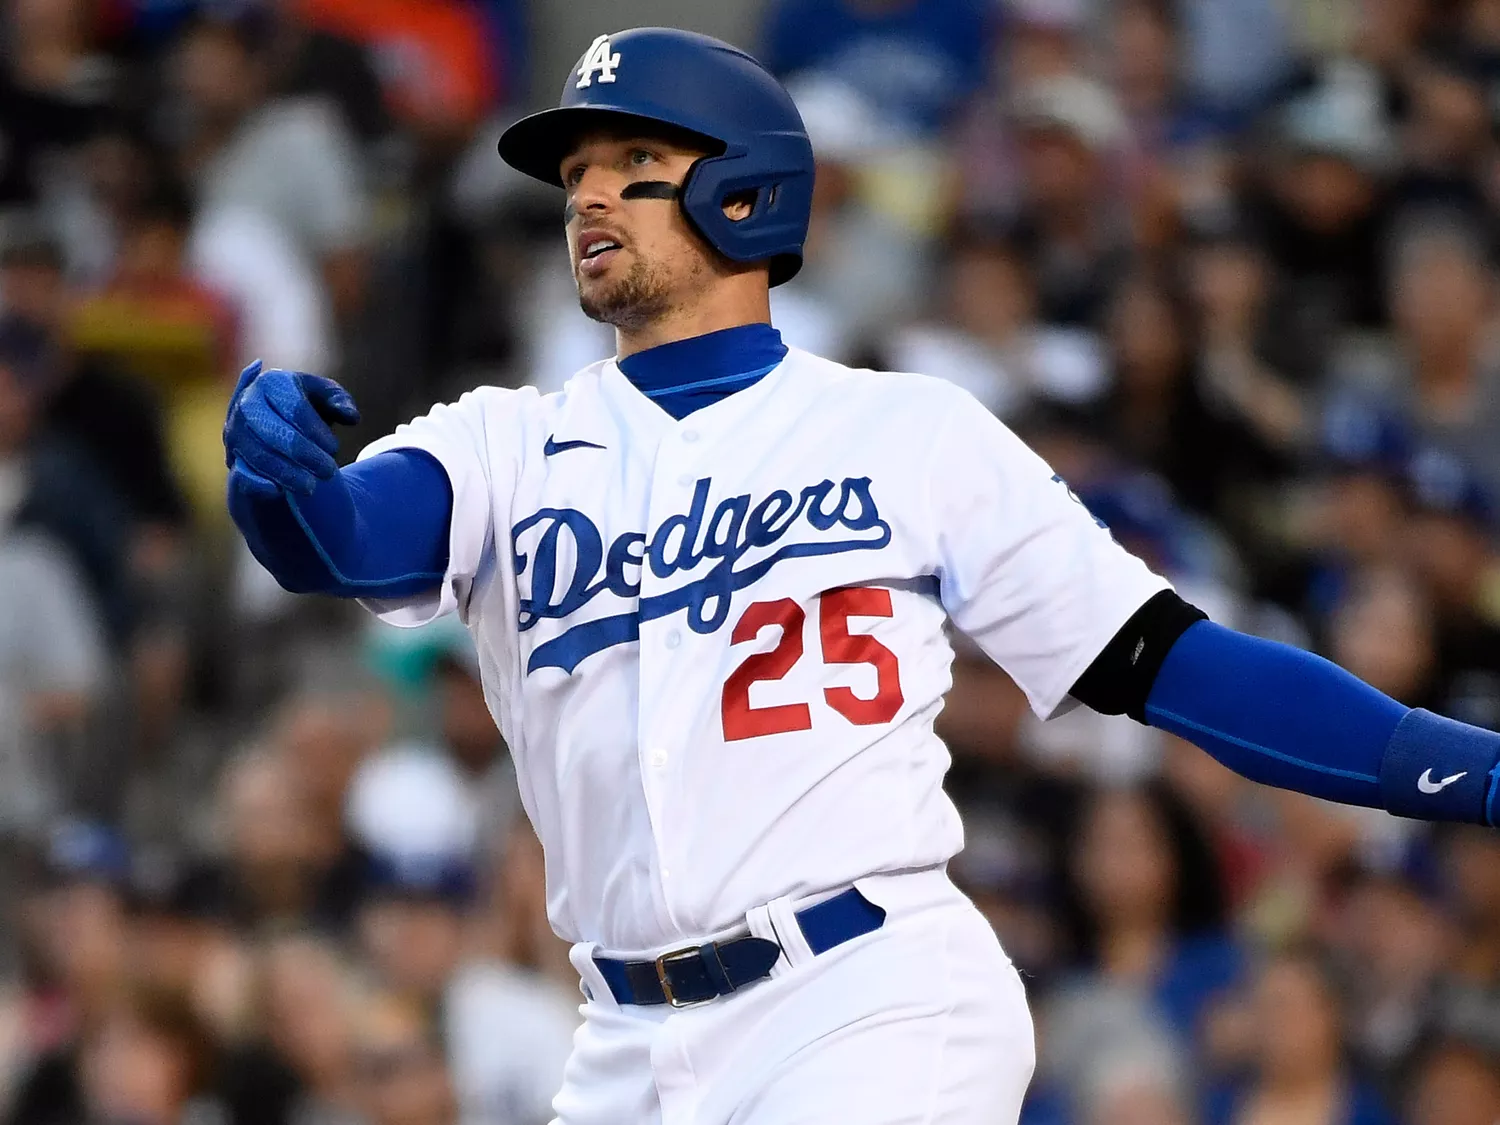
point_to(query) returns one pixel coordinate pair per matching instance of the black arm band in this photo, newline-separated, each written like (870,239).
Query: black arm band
(1121,677)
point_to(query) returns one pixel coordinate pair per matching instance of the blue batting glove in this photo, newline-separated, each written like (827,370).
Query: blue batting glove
(277,434)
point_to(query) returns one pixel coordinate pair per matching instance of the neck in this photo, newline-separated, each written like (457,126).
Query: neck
(731,303)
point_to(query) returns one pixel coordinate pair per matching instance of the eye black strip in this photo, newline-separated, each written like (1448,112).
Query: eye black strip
(644,189)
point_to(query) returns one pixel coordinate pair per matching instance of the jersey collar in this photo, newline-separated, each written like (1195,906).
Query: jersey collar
(687,375)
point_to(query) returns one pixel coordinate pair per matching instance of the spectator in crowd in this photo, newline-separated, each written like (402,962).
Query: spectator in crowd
(1393,941)
(1456,1083)
(1344,516)
(1173,167)
(410,801)
(1446,133)
(54,672)
(1140,1084)
(150,1061)
(300,1064)
(1449,541)
(1147,906)
(1157,413)
(1004,869)
(1300,1072)
(915,60)
(313,62)
(1383,630)
(464,770)
(1040,41)
(52,650)
(1229,284)
(1110,1054)
(1320,206)
(527,942)
(324,738)
(871,195)
(473,744)
(402,1076)
(110,414)
(54,94)
(987,337)
(55,487)
(1442,380)
(76,938)
(440,73)
(273,870)
(95,404)
(158,322)
(1469,1006)
(292,160)
(1070,216)
(506,1034)
(180,942)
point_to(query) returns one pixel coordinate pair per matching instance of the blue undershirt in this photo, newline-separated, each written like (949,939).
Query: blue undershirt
(687,375)
(1273,713)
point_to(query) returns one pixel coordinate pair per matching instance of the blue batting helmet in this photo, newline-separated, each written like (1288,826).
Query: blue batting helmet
(754,135)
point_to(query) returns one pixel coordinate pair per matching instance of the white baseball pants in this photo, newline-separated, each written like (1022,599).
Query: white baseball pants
(923,1022)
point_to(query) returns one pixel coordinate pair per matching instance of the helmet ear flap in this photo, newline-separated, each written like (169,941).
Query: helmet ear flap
(779,179)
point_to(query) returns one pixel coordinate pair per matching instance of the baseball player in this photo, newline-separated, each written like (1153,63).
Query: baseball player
(708,583)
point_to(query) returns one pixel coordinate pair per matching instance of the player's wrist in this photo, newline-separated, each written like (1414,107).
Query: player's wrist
(1436,768)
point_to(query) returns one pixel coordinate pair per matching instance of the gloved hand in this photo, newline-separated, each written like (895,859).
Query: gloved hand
(277,435)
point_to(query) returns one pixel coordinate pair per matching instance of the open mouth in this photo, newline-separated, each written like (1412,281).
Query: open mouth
(596,249)
(598,246)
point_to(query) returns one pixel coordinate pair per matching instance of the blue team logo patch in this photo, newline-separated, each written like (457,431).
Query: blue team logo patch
(563,552)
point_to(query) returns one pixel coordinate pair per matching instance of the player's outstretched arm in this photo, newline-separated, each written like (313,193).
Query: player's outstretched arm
(378,528)
(1288,718)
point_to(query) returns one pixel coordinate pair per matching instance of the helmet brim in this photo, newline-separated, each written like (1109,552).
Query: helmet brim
(537,144)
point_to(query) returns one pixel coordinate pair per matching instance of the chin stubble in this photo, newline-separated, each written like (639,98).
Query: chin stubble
(642,296)
(631,303)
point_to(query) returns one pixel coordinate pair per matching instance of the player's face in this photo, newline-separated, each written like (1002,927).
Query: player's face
(633,259)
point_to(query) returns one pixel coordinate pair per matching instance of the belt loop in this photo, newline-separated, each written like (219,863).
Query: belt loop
(590,980)
(794,948)
(758,921)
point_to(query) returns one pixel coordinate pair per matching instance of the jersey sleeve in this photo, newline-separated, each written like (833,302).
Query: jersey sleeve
(458,436)
(1024,569)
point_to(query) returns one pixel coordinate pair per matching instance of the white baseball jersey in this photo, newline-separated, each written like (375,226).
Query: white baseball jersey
(716,646)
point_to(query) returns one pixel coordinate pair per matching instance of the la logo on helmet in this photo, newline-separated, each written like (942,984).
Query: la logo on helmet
(598,60)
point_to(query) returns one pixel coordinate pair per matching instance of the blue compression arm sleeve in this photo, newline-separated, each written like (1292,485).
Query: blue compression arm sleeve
(377,528)
(1284,717)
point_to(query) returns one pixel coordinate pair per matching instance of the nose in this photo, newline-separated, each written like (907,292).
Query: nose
(596,193)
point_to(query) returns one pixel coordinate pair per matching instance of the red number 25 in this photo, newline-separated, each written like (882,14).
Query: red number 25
(839,647)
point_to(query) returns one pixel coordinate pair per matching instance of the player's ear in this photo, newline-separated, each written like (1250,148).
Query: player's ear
(738,206)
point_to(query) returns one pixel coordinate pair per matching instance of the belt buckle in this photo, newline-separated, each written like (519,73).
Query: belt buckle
(684,954)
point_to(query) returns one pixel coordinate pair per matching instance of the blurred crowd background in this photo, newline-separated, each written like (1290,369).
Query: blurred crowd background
(1230,265)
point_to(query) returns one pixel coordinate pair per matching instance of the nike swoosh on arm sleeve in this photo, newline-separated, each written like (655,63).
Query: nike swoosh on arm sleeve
(1288,718)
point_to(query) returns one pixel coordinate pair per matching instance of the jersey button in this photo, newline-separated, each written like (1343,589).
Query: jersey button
(674,638)
(685,480)
(658,758)
(689,435)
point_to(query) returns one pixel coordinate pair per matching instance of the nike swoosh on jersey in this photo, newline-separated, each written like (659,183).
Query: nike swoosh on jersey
(1427,785)
(554,446)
